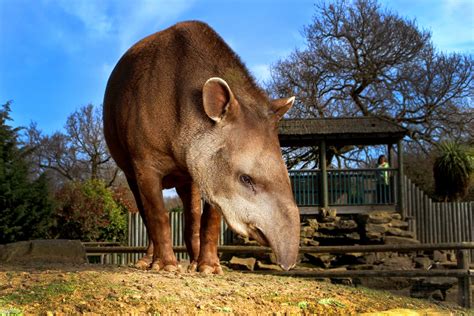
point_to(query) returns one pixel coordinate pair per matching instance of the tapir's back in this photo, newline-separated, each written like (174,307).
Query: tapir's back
(154,92)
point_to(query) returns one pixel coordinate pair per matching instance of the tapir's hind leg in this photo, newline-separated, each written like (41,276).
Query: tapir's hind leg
(209,236)
(157,218)
(191,198)
(147,259)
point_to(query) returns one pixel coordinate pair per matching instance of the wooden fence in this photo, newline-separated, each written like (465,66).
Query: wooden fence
(137,236)
(438,222)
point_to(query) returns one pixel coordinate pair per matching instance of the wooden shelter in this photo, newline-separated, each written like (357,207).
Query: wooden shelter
(347,190)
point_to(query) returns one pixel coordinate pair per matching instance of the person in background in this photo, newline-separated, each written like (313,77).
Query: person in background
(383,183)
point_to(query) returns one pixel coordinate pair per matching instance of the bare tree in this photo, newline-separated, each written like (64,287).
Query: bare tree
(362,60)
(80,153)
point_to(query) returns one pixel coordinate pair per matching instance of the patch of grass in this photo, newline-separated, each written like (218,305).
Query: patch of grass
(11,312)
(37,293)
(168,299)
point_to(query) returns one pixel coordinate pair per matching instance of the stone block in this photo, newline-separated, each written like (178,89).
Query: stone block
(393,231)
(399,224)
(307,232)
(55,251)
(237,263)
(309,242)
(376,228)
(396,216)
(440,256)
(264,266)
(396,240)
(422,263)
(379,217)
(321,260)
(313,223)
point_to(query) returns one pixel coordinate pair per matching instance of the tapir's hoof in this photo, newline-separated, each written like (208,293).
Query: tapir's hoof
(192,267)
(206,269)
(171,268)
(144,263)
(155,266)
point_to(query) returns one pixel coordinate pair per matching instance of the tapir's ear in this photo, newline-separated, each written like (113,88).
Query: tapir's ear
(218,99)
(281,106)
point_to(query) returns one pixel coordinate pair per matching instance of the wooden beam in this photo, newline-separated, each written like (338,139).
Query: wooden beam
(324,175)
(319,249)
(400,182)
(355,209)
(370,273)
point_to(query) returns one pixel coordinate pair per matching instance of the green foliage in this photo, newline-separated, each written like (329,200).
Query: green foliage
(89,211)
(25,206)
(452,170)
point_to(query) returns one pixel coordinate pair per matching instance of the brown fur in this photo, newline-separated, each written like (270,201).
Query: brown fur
(167,125)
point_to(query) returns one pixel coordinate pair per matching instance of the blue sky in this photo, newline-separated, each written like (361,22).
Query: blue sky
(56,55)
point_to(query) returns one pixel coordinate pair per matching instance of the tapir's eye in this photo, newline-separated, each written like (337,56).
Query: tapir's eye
(247,181)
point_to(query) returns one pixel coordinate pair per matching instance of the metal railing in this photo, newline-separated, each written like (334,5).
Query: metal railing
(346,187)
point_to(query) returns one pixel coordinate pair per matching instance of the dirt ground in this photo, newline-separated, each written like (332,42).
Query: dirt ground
(111,290)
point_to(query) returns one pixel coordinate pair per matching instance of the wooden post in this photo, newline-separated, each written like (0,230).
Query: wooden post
(401,186)
(464,282)
(324,174)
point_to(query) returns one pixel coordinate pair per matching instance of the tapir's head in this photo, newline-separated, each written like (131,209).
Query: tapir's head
(242,172)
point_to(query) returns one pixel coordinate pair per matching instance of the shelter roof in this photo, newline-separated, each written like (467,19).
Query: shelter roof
(339,131)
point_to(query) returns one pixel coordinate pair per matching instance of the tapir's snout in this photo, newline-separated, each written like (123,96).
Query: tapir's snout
(282,234)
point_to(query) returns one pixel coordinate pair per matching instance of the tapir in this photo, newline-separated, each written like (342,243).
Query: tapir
(182,111)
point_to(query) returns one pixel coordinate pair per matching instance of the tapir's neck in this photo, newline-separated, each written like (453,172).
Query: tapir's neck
(199,161)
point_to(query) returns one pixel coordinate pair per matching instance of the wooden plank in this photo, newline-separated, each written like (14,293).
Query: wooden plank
(321,249)
(356,209)
(462,273)
(464,286)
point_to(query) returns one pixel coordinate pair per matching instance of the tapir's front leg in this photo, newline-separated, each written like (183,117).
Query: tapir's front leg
(209,235)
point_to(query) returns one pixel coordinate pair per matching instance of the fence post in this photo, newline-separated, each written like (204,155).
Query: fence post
(324,174)
(401,184)
(464,282)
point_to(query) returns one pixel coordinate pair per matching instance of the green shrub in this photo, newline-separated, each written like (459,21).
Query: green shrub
(452,171)
(89,211)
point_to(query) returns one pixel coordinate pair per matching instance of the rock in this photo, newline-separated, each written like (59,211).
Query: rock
(397,263)
(309,242)
(313,223)
(329,226)
(347,224)
(422,263)
(376,228)
(379,217)
(396,216)
(59,251)
(440,256)
(370,258)
(434,288)
(307,231)
(335,238)
(349,259)
(264,266)
(375,231)
(397,240)
(321,260)
(393,231)
(237,263)
(398,224)
(362,267)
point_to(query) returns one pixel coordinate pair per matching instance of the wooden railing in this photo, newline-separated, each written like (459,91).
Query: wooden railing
(346,187)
